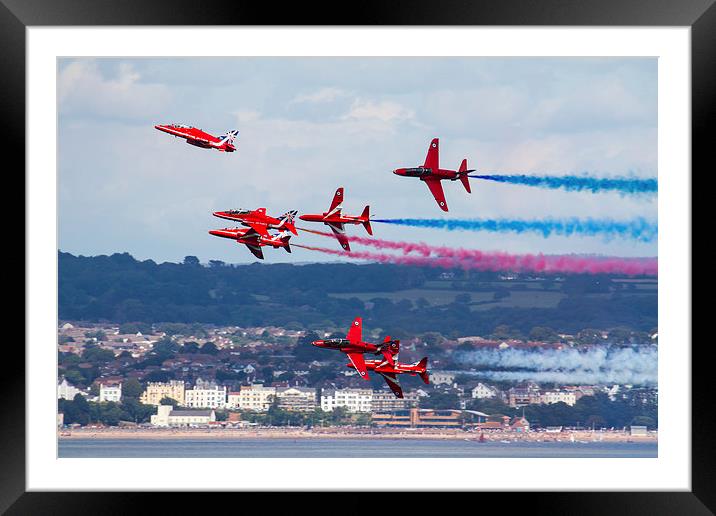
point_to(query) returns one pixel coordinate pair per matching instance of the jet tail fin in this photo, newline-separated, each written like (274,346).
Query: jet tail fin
(287,221)
(229,137)
(285,237)
(423,365)
(462,171)
(366,224)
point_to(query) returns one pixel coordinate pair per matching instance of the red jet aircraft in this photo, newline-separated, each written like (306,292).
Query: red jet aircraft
(389,368)
(259,221)
(335,220)
(254,240)
(354,347)
(198,138)
(432,174)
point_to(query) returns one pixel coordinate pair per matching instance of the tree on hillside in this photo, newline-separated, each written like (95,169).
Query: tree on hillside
(191,260)
(131,388)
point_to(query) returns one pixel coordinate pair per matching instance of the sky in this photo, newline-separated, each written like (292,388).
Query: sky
(309,125)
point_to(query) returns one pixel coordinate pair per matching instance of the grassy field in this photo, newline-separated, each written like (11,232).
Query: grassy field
(480,300)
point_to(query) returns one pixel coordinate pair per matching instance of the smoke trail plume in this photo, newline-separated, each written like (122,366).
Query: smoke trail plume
(446,257)
(638,229)
(624,185)
(598,365)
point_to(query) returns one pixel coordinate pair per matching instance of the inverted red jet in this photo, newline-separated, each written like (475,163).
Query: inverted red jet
(198,138)
(389,367)
(432,174)
(354,347)
(254,240)
(335,219)
(259,221)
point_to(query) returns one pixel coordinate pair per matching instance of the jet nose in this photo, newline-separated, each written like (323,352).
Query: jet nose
(317,343)
(399,171)
(216,232)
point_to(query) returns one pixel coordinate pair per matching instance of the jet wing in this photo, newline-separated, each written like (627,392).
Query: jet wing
(256,251)
(358,362)
(355,332)
(437,190)
(340,233)
(258,228)
(393,383)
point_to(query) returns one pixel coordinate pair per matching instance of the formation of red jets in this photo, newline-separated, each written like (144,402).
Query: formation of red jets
(389,367)
(255,235)
(259,223)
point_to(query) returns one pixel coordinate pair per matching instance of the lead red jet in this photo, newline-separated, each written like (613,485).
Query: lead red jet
(259,221)
(431,174)
(335,219)
(198,138)
(354,347)
(254,240)
(389,367)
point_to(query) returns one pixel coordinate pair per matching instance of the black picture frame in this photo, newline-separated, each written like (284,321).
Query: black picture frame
(700,15)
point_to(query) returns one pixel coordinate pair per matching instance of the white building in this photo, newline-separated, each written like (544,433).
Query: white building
(355,400)
(254,397)
(299,399)
(205,395)
(483,391)
(438,377)
(65,391)
(167,416)
(549,397)
(110,392)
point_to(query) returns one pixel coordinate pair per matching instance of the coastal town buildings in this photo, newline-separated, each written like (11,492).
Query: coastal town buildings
(298,399)
(385,401)
(167,416)
(354,400)
(522,396)
(66,391)
(549,397)
(156,391)
(482,391)
(442,377)
(110,392)
(254,397)
(205,394)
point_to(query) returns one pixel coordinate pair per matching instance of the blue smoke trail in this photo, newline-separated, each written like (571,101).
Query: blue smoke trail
(638,229)
(624,185)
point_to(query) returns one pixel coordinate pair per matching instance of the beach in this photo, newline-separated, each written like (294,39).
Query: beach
(352,433)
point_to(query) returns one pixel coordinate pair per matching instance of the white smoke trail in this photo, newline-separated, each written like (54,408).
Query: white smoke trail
(597,365)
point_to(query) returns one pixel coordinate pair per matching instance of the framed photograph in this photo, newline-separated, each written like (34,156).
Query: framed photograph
(282,305)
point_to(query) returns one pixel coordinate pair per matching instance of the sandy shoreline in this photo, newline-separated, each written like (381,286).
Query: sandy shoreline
(301,433)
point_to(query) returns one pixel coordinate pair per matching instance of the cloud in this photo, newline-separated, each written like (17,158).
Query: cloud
(83,89)
(385,111)
(324,95)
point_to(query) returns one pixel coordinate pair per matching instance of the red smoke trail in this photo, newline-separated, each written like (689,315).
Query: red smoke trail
(446,257)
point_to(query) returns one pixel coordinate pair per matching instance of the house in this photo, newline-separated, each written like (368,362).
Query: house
(109,392)
(65,391)
(441,377)
(482,391)
(559,396)
(519,424)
